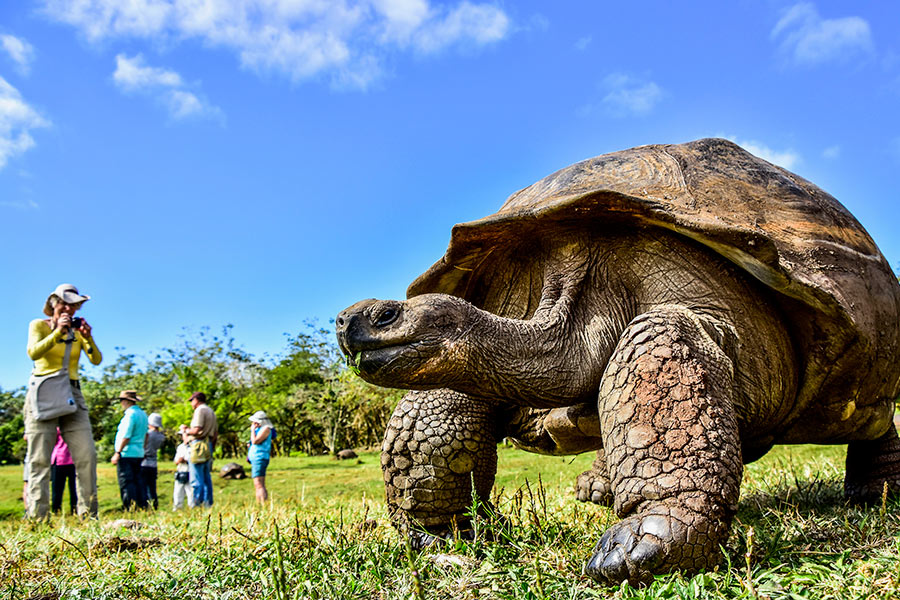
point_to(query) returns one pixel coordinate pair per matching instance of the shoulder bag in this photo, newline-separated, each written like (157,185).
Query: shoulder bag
(200,451)
(51,395)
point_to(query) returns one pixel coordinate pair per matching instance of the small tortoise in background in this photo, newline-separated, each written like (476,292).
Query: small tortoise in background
(679,309)
(232,471)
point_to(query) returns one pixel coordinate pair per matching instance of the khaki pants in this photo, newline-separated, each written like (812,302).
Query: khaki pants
(41,437)
(182,492)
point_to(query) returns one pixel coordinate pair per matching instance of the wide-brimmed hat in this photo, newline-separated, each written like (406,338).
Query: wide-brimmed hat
(155,419)
(66,292)
(129,395)
(261,418)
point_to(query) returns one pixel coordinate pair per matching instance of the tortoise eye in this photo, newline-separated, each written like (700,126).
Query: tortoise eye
(386,317)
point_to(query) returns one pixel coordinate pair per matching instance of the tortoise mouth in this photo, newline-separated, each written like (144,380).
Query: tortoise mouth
(372,361)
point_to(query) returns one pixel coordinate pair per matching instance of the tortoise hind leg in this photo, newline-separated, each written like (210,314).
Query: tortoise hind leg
(870,465)
(671,441)
(562,431)
(594,485)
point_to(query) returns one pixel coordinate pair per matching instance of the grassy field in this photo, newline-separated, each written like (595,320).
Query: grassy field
(325,535)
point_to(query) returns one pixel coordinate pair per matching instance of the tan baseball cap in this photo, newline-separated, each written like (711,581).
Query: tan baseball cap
(66,292)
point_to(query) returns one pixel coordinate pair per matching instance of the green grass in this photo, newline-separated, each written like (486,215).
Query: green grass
(326,535)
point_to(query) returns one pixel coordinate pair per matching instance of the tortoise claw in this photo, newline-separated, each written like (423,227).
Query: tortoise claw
(627,550)
(420,540)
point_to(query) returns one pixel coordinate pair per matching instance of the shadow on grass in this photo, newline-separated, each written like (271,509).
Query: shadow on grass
(794,519)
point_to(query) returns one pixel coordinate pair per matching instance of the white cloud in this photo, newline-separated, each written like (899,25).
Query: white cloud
(478,24)
(832,152)
(346,40)
(401,17)
(583,43)
(627,95)
(134,75)
(185,104)
(783,158)
(808,39)
(99,19)
(20,51)
(17,120)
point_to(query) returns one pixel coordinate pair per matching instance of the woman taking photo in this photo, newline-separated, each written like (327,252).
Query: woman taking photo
(261,434)
(50,342)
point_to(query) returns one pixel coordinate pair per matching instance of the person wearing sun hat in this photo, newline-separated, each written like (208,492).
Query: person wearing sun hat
(129,450)
(261,435)
(49,342)
(152,443)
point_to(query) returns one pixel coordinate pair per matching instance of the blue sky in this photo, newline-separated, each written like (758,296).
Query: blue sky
(194,163)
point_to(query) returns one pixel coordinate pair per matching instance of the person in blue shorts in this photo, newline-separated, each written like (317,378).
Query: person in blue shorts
(261,435)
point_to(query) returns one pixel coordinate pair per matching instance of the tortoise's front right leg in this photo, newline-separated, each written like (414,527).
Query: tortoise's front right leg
(437,443)
(672,449)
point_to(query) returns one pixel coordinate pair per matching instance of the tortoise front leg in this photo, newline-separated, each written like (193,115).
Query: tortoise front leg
(671,442)
(437,443)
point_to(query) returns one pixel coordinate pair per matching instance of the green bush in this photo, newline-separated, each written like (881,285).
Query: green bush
(315,404)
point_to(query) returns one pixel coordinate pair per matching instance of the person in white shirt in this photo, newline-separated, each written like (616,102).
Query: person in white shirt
(182,473)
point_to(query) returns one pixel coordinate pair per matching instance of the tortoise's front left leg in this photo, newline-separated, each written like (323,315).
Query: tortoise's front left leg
(437,444)
(671,441)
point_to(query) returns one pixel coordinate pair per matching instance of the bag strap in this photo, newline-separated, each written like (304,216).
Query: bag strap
(68,341)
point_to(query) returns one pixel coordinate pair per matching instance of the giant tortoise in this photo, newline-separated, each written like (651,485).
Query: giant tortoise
(677,308)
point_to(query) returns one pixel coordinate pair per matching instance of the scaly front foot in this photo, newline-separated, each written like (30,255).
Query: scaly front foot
(661,539)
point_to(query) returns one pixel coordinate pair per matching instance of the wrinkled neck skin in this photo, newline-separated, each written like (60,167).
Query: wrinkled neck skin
(557,356)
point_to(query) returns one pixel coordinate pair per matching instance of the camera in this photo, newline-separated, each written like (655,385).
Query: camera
(77,322)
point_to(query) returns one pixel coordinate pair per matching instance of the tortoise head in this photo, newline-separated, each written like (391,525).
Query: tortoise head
(417,343)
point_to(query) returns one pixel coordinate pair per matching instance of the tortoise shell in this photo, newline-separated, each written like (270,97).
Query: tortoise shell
(839,294)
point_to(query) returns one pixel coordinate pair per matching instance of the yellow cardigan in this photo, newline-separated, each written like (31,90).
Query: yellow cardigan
(46,348)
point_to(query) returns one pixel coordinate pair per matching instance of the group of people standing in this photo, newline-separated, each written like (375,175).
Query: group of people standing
(138,440)
(59,436)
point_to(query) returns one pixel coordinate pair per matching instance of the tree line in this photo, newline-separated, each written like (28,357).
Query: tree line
(316,404)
